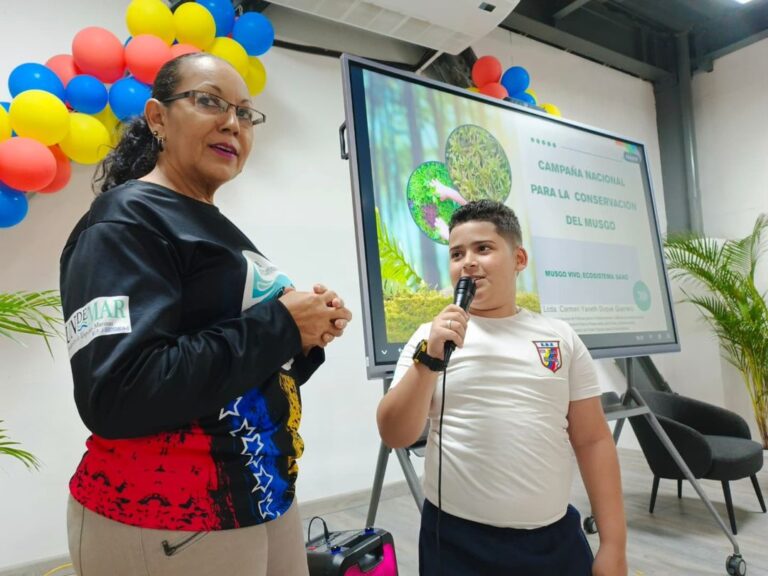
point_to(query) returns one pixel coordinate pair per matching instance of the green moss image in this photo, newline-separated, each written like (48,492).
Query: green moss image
(407,310)
(428,192)
(477,164)
(529,301)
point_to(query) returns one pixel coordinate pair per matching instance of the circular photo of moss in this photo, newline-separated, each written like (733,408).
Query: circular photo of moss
(477,164)
(432,199)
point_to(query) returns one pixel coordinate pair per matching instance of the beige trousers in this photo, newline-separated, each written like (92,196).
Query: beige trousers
(102,547)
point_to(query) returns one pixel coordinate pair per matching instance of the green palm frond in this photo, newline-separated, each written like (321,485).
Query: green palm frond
(394,266)
(693,260)
(719,279)
(32,313)
(7,447)
(727,326)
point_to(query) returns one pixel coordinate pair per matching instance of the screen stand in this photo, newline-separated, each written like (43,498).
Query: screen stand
(632,405)
(381,468)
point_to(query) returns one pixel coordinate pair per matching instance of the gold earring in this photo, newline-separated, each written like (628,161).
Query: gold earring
(159,139)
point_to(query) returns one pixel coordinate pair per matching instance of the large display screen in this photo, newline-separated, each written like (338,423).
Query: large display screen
(420,149)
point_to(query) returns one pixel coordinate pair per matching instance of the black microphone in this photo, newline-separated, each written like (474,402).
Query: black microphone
(462,297)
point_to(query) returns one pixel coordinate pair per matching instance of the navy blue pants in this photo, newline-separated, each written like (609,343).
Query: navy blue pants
(472,549)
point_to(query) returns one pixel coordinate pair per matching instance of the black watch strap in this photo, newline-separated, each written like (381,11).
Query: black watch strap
(420,356)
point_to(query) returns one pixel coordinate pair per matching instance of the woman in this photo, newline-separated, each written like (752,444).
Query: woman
(187,349)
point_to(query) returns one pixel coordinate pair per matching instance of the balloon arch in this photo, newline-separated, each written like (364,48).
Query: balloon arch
(70,109)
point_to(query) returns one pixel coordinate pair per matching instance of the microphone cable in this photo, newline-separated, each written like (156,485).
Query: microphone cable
(464,294)
(440,474)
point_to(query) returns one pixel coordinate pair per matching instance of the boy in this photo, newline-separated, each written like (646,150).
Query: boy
(520,392)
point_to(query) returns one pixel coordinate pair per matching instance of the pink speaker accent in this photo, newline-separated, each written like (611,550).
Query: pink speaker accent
(387,566)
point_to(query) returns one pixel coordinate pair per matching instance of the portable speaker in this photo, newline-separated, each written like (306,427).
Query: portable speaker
(369,552)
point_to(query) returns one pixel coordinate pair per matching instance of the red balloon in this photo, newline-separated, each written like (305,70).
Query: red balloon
(486,70)
(494,89)
(145,55)
(26,164)
(63,65)
(181,49)
(98,52)
(63,172)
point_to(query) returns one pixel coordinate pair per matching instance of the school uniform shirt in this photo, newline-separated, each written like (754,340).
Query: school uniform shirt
(507,458)
(186,366)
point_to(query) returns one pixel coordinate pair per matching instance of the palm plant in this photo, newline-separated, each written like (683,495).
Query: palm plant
(8,448)
(722,276)
(30,313)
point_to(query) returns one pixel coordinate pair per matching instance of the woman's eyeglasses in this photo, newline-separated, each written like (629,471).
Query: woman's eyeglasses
(208,103)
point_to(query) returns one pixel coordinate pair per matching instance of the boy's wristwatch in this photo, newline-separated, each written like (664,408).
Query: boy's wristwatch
(420,356)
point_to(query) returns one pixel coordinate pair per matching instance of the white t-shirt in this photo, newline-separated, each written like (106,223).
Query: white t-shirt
(507,459)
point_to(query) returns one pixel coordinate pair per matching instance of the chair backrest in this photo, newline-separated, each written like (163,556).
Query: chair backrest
(691,444)
(702,416)
(663,403)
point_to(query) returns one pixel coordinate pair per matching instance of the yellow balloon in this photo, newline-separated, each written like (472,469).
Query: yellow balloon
(231,51)
(40,115)
(111,123)
(194,25)
(552,109)
(88,140)
(5,125)
(150,17)
(107,117)
(474,89)
(257,76)
(531,93)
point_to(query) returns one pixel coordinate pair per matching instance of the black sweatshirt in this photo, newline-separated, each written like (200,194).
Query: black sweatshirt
(186,366)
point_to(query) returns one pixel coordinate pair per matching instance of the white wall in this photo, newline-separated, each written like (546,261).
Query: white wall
(732,147)
(732,140)
(294,201)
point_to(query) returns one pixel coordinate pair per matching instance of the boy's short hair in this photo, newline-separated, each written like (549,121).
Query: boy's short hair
(500,215)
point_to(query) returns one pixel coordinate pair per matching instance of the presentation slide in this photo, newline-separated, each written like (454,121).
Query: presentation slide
(583,199)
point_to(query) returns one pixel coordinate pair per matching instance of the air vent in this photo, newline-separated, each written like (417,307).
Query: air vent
(447,26)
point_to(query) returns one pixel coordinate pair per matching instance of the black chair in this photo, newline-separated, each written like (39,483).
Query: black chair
(714,442)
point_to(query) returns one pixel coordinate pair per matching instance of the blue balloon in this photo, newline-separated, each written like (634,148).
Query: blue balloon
(13,206)
(87,94)
(223,13)
(525,98)
(7,106)
(32,76)
(515,79)
(255,32)
(127,97)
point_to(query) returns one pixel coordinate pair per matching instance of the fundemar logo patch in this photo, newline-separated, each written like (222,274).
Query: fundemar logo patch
(549,354)
(100,317)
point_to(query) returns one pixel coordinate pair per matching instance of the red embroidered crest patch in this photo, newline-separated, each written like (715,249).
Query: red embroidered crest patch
(549,354)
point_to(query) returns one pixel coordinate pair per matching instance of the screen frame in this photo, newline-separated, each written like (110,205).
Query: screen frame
(382,365)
